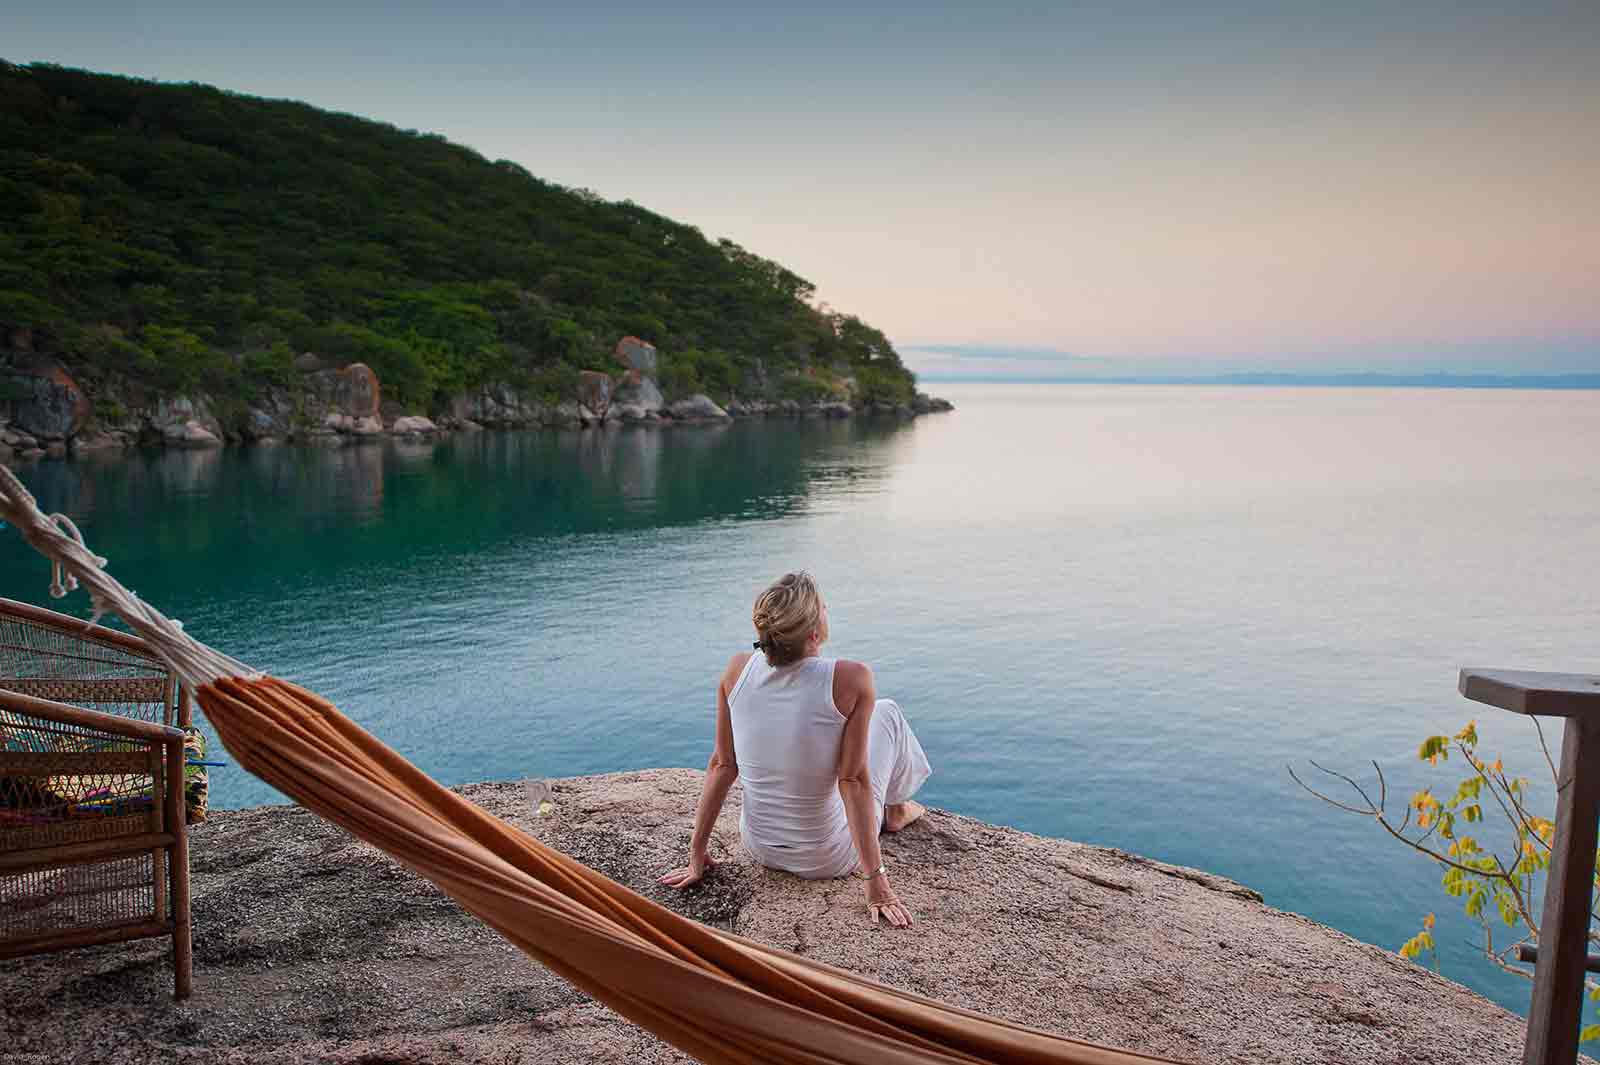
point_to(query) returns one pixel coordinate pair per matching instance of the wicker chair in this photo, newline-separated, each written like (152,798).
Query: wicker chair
(93,847)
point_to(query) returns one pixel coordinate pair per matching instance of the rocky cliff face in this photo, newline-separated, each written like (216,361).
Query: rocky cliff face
(43,409)
(310,946)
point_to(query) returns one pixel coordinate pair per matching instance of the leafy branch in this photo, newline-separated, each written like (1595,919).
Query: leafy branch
(1452,832)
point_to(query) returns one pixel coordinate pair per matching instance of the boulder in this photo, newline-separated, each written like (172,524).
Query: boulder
(260,424)
(639,391)
(97,442)
(498,405)
(56,449)
(637,354)
(353,391)
(413,425)
(6,452)
(836,409)
(307,362)
(921,403)
(697,407)
(371,425)
(339,423)
(31,453)
(47,402)
(358,392)
(191,433)
(171,419)
(629,412)
(594,392)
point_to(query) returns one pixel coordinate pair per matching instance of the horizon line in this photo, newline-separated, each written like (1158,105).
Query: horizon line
(1361,379)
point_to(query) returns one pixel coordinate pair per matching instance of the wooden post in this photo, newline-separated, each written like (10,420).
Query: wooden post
(1555,1015)
(160,766)
(1557,1009)
(182,935)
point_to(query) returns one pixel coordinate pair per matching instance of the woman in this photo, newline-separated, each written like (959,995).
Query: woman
(826,763)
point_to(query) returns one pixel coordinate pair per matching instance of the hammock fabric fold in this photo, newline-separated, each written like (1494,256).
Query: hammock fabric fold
(714,995)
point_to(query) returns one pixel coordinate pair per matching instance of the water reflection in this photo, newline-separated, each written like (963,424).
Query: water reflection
(192,527)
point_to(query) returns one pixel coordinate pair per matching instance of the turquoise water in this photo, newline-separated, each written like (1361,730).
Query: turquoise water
(1113,613)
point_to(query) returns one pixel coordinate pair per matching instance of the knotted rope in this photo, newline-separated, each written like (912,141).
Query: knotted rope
(717,996)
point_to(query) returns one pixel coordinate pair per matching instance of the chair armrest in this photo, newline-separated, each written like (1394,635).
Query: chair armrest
(79,627)
(133,728)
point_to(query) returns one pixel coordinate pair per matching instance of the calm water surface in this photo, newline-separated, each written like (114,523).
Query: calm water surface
(1113,613)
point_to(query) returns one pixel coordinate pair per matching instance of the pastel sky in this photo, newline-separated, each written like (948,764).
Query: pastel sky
(1042,188)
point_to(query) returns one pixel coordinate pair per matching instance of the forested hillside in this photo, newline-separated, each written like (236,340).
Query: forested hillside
(185,238)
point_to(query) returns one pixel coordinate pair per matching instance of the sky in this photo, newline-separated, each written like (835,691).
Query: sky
(1050,189)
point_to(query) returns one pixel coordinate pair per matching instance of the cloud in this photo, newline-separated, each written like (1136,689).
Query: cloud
(990,351)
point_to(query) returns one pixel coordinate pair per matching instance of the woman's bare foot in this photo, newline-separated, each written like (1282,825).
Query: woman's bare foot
(898,815)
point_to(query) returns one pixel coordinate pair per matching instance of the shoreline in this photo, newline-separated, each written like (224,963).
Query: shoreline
(49,415)
(28,449)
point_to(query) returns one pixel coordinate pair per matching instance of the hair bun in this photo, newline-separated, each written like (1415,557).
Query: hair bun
(785,615)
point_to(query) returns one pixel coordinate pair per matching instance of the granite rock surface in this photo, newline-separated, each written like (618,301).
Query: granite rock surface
(312,946)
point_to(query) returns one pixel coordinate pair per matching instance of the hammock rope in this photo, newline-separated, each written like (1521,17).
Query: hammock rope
(722,998)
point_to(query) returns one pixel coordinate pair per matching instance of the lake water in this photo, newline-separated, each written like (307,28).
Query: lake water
(1112,613)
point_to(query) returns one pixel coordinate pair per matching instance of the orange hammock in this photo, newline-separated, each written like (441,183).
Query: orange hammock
(717,996)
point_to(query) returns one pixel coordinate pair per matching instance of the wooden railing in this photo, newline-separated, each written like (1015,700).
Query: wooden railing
(1556,1013)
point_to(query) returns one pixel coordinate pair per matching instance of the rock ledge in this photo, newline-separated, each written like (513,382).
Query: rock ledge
(311,946)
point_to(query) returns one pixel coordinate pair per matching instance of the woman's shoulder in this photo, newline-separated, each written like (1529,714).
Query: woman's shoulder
(736,664)
(851,679)
(850,669)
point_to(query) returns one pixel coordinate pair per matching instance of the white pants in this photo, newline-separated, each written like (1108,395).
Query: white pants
(895,758)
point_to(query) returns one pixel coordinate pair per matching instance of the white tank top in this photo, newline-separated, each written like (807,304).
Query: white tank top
(786,735)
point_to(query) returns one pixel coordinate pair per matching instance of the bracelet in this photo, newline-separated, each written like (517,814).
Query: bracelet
(881,870)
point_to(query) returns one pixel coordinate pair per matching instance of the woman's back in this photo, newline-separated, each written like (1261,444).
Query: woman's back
(786,734)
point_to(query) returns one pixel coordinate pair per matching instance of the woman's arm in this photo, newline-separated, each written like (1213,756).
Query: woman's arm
(721,771)
(855,694)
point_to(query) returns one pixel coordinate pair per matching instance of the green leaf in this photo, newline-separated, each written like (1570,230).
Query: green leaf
(1434,747)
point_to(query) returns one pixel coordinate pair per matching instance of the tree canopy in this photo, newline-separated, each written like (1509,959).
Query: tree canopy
(182,236)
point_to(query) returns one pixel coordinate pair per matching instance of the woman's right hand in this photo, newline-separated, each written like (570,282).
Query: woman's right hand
(883,902)
(699,865)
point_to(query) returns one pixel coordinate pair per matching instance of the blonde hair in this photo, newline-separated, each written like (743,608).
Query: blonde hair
(785,616)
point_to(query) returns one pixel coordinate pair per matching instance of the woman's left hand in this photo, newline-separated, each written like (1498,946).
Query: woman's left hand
(699,865)
(882,901)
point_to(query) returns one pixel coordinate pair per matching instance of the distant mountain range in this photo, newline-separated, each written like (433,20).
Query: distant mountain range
(1306,380)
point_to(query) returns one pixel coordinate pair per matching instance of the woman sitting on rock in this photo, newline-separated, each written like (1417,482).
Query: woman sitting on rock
(826,763)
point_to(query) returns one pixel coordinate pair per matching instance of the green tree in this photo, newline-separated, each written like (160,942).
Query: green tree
(177,233)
